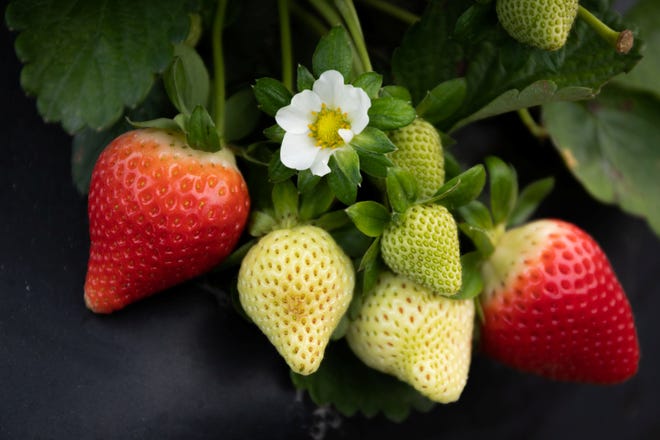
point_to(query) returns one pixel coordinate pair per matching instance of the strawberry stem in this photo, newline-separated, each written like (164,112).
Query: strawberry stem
(348,12)
(219,69)
(393,11)
(285,43)
(622,41)
(534,128)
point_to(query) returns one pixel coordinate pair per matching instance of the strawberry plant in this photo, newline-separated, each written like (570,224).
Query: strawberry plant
(310,164)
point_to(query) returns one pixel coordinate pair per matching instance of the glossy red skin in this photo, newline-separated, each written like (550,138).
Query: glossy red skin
(156,220)
(563,314)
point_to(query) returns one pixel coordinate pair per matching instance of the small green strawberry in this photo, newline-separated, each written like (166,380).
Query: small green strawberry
(422,244)
(543,24)
(422,338)
(419,151)
(296,284)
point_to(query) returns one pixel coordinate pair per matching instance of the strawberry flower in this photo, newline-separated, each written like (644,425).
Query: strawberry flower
(321,121)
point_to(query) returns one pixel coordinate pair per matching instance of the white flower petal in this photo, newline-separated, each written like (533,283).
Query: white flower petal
(345,134)
(296,116)
(329,85)
(356,104)
(320,166)
(298,151)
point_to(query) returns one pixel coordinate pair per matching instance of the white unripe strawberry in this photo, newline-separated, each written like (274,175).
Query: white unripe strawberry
(296,284)
(424,339)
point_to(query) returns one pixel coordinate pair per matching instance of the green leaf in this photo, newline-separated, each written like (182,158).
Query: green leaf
(333,53)
(396,92)
(401,189)
(503,75)
(390,113)
(529,199)
(462,189)
(347,384)
(610,145)
(373,140)
(503,189)
(443,100)
(428,55)
(352,241)
(201,133)
(369,217)
(277,171)
(370,82)
(241,115)
(452,167)
(345,176)
(87,61)
(479,238)
(316,202)
(477,214)
(473,282)
(271,95)
(645,14)
(370,266)
(285,200)
(304,79)
(186,80)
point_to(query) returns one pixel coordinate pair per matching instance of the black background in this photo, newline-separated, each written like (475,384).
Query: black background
(183,364)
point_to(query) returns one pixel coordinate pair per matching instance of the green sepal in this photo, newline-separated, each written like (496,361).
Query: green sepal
(285,200)
(397,92)
(341,329)
(369,217)
(374,164)
(503,188)
(443,100)
(473,282)
(530,198)
(241,115)
(471,23)
(236,257)
(370,266)
(261,223)
(315,203)
(345,176)
(201,132)
(274,133)
(333,52)
(389,113)
(461,189)
(271,95)
(477,214)
(186,80)
(401,189)
(304,78)
(258,153)
(352,241)
(373,140)
(277,171)
(479,237)
(452,167)
(370,82)
(306,181)
(159,123)
(331,220)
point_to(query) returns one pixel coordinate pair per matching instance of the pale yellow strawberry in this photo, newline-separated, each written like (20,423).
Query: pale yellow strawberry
(423,246)
(296,284)
(424,339)
(419,151)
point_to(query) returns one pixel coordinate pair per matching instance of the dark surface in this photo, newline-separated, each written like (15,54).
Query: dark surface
(183,364)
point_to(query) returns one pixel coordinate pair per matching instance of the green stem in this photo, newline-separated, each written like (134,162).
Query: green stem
(327,12)
(622,41)
(348,12)
(393,10)
(285,43)
(534,128)
(219,69)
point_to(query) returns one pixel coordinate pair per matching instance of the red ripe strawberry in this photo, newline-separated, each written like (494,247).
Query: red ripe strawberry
(553,306)
(159,213)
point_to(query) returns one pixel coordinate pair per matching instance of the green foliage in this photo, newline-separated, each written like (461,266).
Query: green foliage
(85,67)
(333,53)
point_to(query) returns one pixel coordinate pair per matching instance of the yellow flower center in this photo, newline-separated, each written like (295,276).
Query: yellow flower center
(325,130)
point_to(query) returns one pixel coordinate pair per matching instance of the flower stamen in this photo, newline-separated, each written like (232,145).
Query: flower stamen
(325,129)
